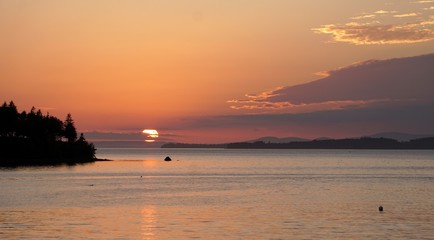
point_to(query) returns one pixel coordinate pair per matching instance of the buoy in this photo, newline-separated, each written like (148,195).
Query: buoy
(380,208)
(167,159)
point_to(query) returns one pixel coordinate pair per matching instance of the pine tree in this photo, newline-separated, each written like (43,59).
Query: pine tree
(70,132)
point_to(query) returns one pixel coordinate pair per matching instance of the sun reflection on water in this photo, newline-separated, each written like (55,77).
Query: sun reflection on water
(148,223)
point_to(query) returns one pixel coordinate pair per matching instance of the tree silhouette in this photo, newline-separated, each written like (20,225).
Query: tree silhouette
(8,119)
(70,131)
(34,139)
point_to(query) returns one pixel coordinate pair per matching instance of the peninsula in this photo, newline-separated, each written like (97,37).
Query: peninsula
(36,139)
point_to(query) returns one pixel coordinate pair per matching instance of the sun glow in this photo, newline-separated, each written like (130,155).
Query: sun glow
(151,135)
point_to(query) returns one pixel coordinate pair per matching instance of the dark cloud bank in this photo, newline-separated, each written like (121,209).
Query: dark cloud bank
(403,79)
(364,98)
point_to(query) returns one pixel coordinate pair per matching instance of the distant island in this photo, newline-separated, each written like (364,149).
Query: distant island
(36,139)
(193,145)
(350,143)
(360,143)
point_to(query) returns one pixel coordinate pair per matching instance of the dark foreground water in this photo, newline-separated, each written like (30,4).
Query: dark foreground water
(224,194)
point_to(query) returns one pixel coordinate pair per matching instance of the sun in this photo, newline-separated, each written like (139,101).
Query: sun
(151,134)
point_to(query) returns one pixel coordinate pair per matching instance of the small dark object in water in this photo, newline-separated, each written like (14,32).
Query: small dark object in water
(380,208)
(167,159)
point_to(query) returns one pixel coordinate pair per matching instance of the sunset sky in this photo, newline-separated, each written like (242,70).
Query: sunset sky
(219,71)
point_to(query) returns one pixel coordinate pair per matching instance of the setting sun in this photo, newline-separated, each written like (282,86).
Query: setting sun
(151,134)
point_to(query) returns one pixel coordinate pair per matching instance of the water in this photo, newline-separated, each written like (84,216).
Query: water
(224,194)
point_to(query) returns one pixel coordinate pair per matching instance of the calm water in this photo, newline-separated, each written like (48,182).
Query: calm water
(224,194)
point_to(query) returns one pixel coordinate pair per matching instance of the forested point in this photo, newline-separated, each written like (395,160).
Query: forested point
(36,139)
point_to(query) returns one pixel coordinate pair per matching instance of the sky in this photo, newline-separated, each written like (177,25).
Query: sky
(222,71)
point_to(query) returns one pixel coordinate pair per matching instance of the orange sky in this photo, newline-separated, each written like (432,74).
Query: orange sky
(122,66)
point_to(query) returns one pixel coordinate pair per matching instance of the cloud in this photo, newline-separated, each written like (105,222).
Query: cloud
(364,16)
(405,15)
(389,27)
(331,123)
(124,136)
(375,82)
(380,34)
(383,12)
(259,101)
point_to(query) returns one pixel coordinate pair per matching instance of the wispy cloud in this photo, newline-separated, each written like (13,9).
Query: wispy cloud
(259,101)
(384,12)
(126,136)
(287,107)
(360,34)
(405,15)
(364,16)
(385,27)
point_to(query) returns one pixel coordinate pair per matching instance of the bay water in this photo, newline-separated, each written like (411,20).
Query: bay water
(224,194)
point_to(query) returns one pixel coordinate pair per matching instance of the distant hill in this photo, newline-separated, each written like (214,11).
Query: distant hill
(279,140)
(323,138)
(386,140)
(348,143)
(400,136)
(193,145)
(390,135)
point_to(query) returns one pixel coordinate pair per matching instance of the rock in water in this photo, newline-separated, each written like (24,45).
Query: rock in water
(167,159)
(380,208)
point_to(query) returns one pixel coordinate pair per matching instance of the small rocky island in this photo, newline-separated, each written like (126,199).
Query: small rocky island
(32,138)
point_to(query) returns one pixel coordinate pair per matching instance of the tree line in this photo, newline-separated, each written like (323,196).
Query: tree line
(33,138)
(358,143)
(350,143)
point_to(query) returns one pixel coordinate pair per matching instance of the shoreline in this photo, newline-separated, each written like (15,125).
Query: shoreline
(13,163)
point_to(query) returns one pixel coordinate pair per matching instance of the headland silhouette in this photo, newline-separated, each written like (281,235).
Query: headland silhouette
(36,139)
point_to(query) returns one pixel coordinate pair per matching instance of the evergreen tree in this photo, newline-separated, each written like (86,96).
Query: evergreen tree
(69,129)
(8,119)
